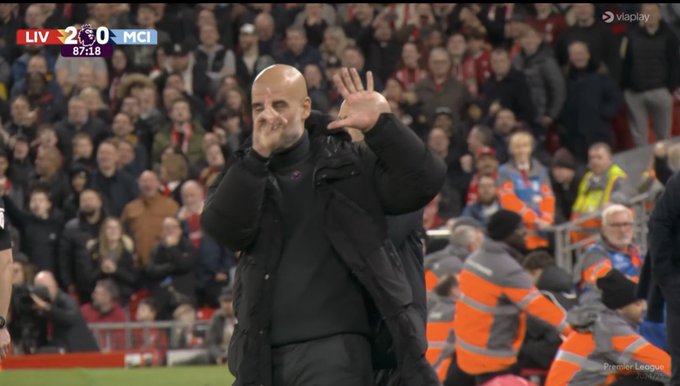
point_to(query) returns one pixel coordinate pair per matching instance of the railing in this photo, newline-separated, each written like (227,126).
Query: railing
(566,252)
(108,334)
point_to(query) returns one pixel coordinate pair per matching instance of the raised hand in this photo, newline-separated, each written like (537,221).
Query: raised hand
(268,128)
(364,106)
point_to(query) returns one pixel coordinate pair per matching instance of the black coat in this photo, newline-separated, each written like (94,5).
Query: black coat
(69,328)
(74,257)
(355,186)
(171,271)
(126,275)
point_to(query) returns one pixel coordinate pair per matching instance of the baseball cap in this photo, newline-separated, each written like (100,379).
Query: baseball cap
(178,49)
(485,151)
(247,29)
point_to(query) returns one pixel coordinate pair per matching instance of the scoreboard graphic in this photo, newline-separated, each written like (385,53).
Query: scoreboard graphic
(86,41)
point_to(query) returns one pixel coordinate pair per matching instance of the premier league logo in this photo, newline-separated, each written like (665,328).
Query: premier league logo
(86,36)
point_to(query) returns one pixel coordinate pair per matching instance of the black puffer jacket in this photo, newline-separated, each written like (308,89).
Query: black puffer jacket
(356,187)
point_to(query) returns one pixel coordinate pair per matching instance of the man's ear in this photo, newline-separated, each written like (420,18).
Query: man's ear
(306,107)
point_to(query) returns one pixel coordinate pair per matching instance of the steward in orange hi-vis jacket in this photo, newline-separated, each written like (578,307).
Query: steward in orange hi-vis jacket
(604,346)
(496,295)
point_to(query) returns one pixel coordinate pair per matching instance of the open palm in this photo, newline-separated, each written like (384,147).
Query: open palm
(364,106)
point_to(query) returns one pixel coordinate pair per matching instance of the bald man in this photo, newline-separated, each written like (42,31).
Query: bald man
(306,208)
(69,331)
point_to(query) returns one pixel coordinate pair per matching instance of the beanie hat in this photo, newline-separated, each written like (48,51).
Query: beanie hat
(502,224)
(564,159)
(617,290)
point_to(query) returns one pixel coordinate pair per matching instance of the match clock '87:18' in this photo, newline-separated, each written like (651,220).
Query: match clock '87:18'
(86,51)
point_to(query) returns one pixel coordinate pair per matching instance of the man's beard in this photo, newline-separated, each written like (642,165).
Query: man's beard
(88,212)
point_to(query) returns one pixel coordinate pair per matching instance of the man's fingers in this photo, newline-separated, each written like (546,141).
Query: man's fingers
(268,98)
(356,80)
(340,85)
(369,81)
(347,80)
(339,123)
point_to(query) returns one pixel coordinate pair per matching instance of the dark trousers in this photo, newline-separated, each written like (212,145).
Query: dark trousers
(457,377)
(671,293)
(339,360)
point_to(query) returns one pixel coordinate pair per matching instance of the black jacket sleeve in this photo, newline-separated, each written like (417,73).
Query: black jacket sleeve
(663,227)
(171,260)
(661,169)
(232,209)
(64,310)
(407,175)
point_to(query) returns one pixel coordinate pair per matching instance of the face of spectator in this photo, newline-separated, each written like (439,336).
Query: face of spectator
(192,195)
(35,84)
(19,110)
(215,156)
(48,138)
(353,58)
(264,26)
(487,190)
(562,175)
(440,63)
(438,141)
(175,81)
(171,227)
(145,313)
(530,41)
(77,112)
(148,184)
(363,11)
(410,55)
(330,41)
(584,12)
(170,94)
(107,157)
(122,126)
(130,107)
(113,231)
(37,64)
(456,45)
(634,312)
(542,8)
(101,298)
(579,56)
(180,113)
(147,102)
(393,90)
(206,17)
(119,60)
(599,161)
(486,165)
(86,76)
(146,17)
(505,122)
(295,41)
(126,153)
(179,63)
(21,150)
(209,35)
(435,39)
(92,98)
(474,141)
(313,76)
(654,13)
(383,31)
(247,41)
(90,203)
(618,229)
(234,100)
(78,183)
(82,148)
(500,63)
(18,275)
(35,17)
(521,148)
(40,204)
(313,10)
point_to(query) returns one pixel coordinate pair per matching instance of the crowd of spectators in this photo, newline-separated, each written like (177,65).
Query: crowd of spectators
(105,162)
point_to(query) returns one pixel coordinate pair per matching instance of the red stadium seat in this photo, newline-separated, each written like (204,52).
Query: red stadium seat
(134,301)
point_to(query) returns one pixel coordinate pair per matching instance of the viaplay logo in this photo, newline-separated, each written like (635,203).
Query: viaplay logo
(608,17)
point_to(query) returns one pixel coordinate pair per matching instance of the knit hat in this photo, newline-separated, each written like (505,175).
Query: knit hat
(617,290)
(502,224)
(564,159)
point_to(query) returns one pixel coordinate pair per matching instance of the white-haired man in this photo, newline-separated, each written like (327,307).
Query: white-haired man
(615,249)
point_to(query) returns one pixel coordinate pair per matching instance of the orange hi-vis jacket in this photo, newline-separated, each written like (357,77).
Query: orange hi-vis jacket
(593,195)
(440,336)
(600,258)
(490,320)
(604,347)
(529,195)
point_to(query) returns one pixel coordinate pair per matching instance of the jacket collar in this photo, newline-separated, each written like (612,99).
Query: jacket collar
(292,155)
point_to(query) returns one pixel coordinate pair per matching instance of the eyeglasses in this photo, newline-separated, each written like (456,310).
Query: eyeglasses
(621,225)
